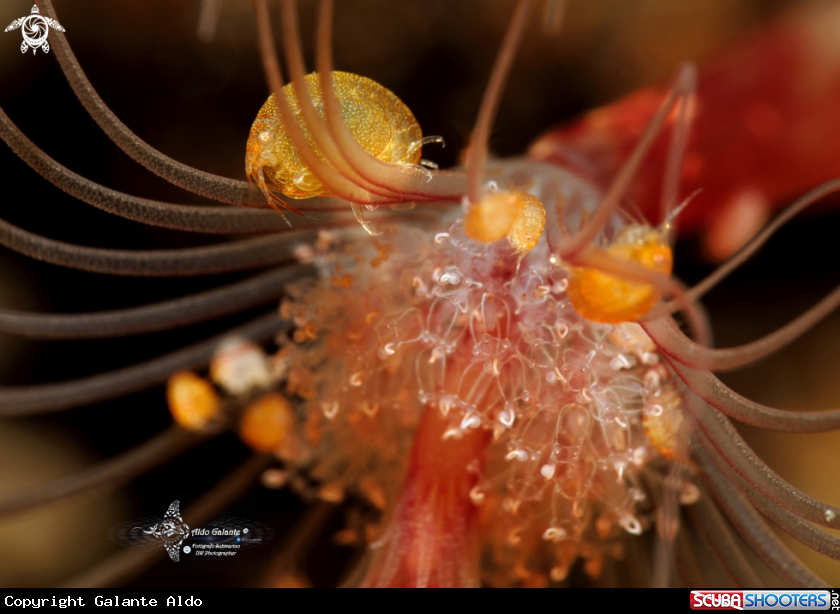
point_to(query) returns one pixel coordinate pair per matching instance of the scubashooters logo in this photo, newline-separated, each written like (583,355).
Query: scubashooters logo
(35,29)
(764,600)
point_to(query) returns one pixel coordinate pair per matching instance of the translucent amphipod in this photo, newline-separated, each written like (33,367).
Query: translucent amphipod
(378,121)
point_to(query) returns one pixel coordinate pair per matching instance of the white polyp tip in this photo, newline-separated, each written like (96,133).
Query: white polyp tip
(690,494)
(476,495)
(631,525)
(453,433)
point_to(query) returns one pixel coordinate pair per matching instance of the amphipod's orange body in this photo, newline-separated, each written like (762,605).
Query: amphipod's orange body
(377,119)
(519,216)
(602,297)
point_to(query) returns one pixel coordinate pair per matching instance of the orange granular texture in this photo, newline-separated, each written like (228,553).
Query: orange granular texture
(378,120)
(602,297)
(519,216)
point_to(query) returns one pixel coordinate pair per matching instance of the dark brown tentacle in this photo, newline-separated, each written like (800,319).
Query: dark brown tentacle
(793,525)
(718,395)
(42,398)
(125,565)
(227,220)
(165,315)
(717,535)
(236,256)
(209,185)
(730,446)
(106,475)
(689,572)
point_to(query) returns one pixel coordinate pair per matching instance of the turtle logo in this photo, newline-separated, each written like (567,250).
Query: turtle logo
(171,531)
(35,29)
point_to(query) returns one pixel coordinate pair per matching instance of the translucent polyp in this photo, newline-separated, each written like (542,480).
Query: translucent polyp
(466,397)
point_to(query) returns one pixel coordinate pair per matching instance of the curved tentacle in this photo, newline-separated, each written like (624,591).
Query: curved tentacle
(338,184)
(317,128)
(212,186)
(444,185)
(750,248)
(155,213)
(718,395)
(674,344)
(477,155)
(236,256)
(729,444)
(106,475)
(164,315)
(717,535)
(42,398)
(752,528)
(689,572)
(570,247)
(794,526)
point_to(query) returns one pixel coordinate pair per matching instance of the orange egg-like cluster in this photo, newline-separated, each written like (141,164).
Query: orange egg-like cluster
(192,400)
(269,425)
(519,216)
(602,297)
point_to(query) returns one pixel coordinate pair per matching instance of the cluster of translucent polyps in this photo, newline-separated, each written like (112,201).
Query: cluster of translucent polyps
(412,321)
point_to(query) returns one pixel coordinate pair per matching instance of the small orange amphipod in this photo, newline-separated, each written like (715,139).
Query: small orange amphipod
(519,216)
(602,297)
(379,121)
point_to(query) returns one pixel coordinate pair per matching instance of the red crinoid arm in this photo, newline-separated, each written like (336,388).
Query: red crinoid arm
(764,130)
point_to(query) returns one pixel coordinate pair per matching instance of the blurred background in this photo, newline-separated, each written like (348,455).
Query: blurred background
(195,102)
